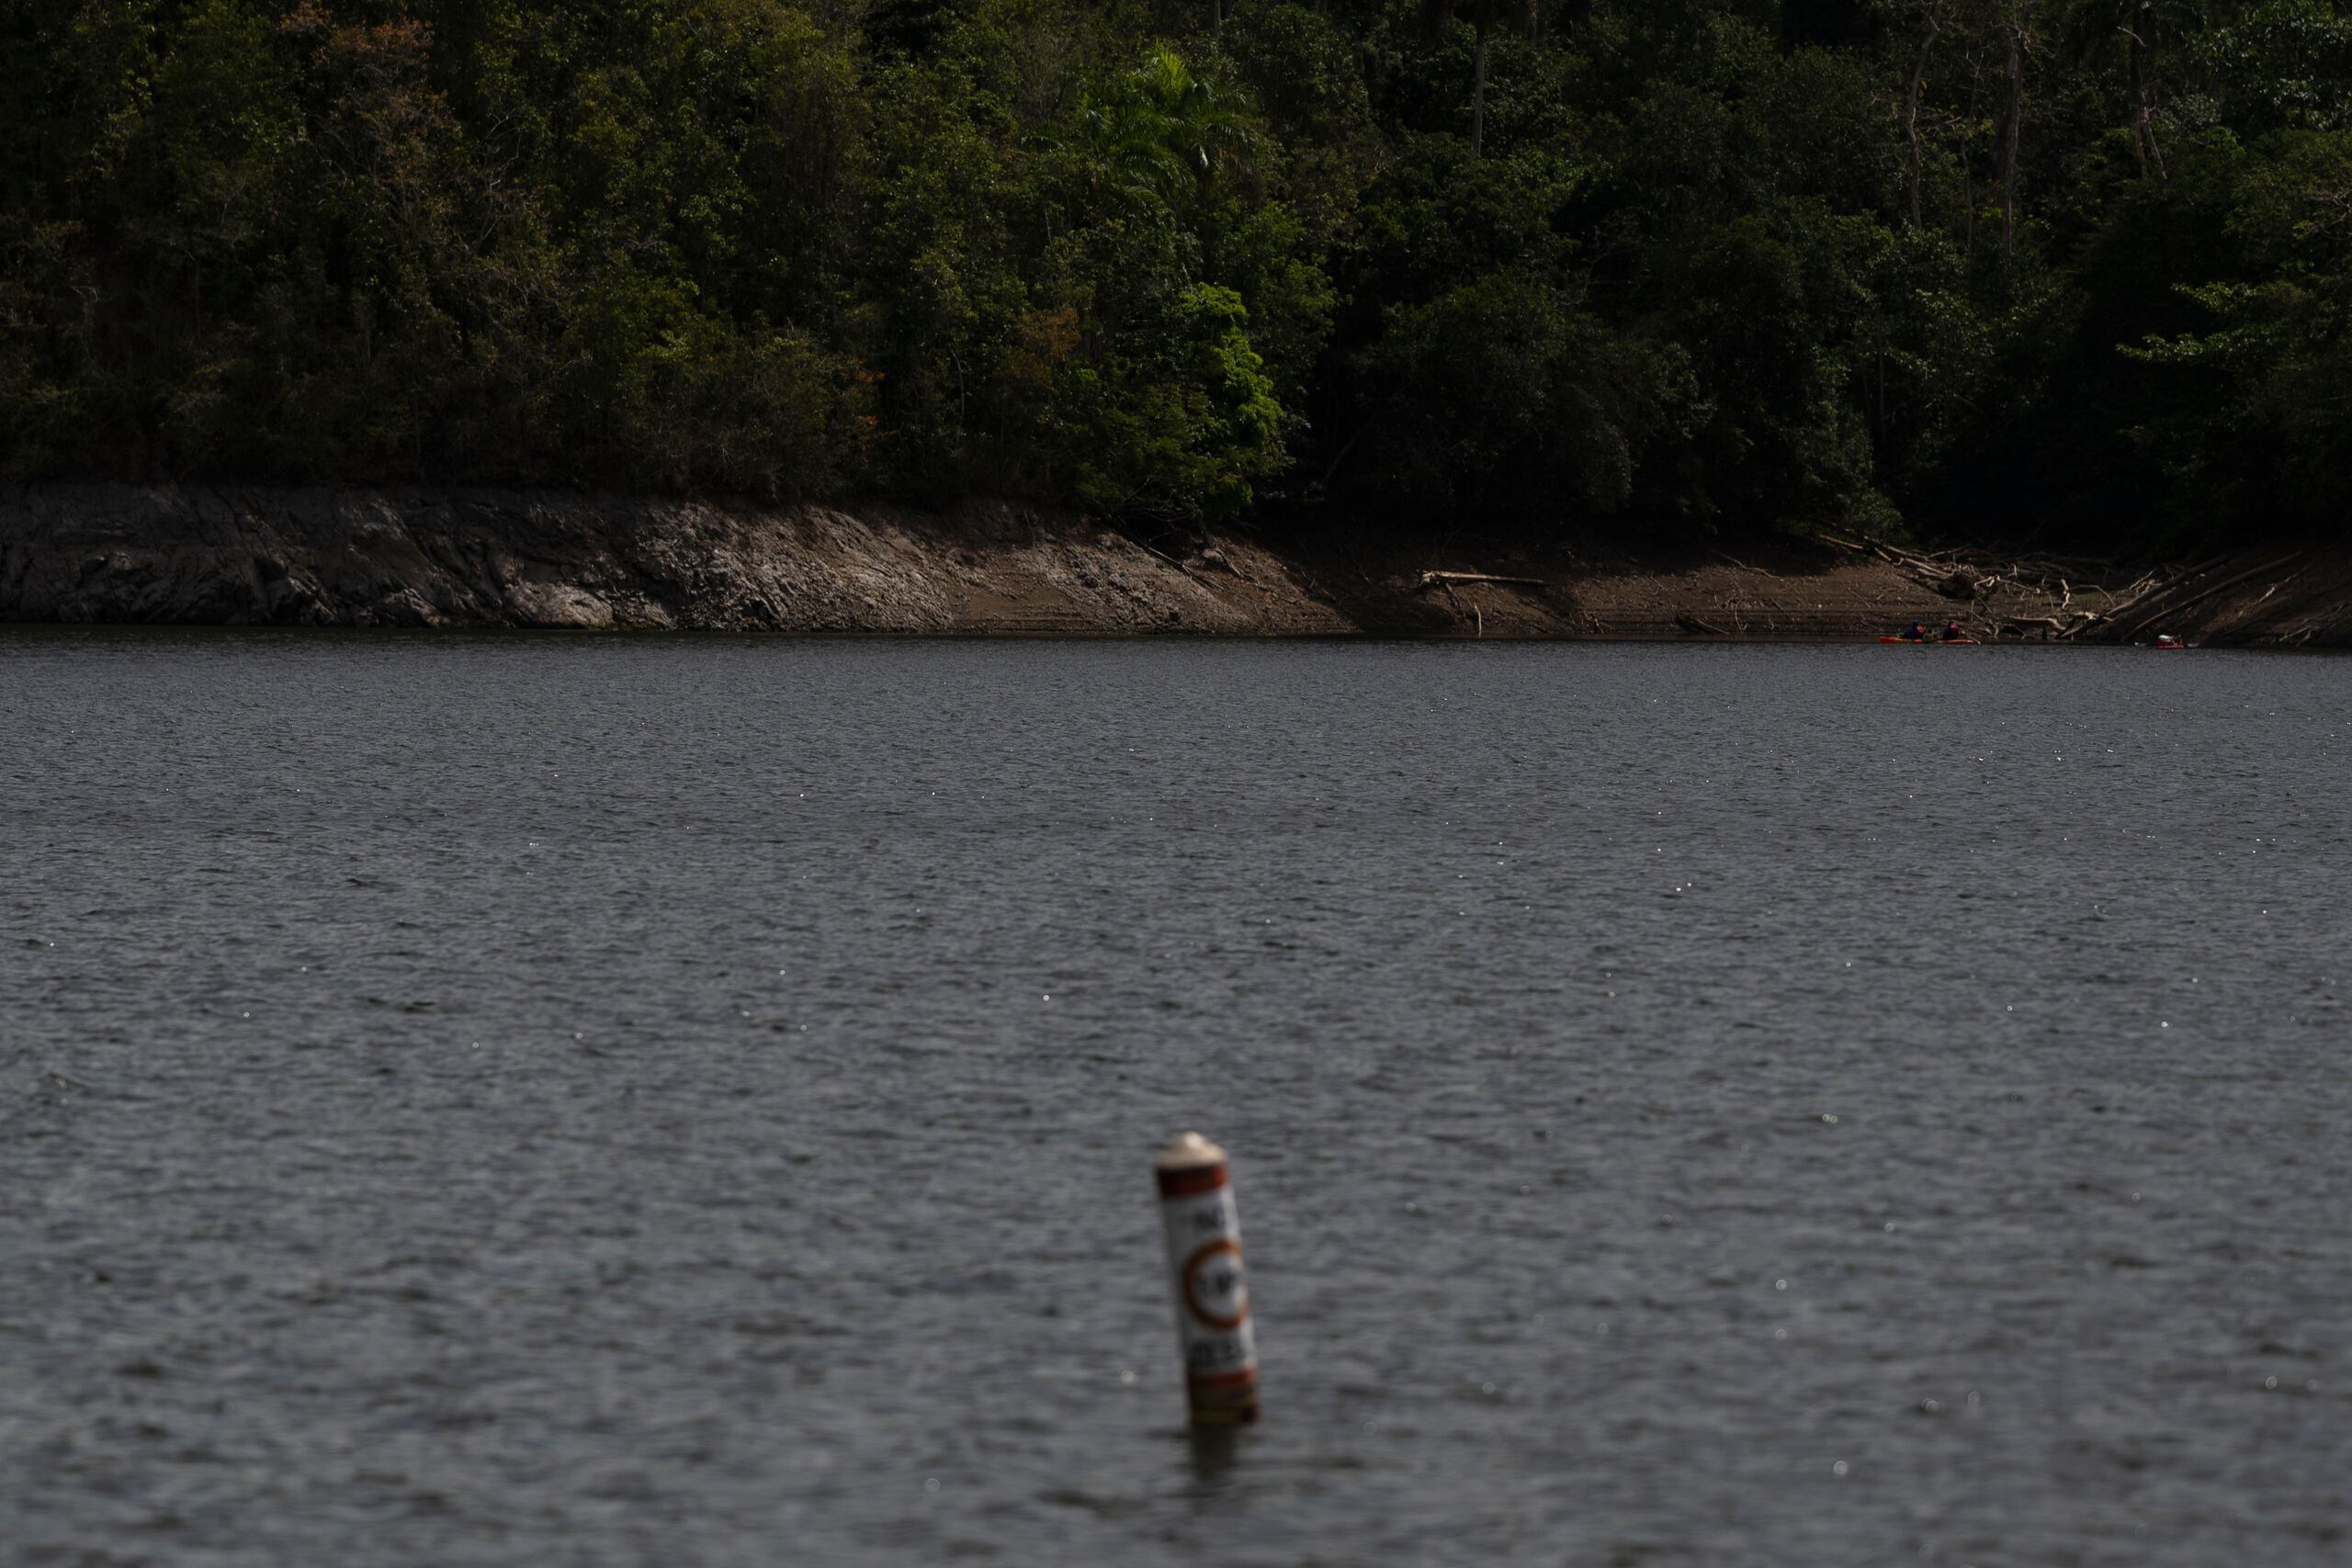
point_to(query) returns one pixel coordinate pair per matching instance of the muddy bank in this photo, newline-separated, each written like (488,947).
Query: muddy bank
(201,555)
(480,557)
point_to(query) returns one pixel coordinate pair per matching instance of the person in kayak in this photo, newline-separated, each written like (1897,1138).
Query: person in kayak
(1918,632)
(1953,631)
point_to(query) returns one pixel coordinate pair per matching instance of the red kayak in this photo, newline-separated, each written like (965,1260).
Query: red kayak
(1933,641)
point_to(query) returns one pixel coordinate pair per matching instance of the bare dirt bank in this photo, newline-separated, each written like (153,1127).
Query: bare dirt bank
(201,555)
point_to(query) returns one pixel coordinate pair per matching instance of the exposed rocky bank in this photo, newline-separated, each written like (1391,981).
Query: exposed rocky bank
(203,555)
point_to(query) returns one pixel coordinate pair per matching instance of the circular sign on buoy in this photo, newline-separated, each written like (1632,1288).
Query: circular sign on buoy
(1213,1288)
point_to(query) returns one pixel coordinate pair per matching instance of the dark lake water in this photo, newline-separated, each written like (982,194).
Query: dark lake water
(624,1101)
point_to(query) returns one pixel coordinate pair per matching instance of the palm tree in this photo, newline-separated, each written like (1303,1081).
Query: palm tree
(1519,16)
(1163,128)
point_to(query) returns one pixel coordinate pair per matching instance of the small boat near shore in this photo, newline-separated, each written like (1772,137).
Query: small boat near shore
(1934,641)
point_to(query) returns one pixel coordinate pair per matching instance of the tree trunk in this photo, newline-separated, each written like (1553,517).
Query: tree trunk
(1478,92)
(1911,116)
(2132,93)
(1217,19)
(1968,155)
(2012,127)
(2145,152)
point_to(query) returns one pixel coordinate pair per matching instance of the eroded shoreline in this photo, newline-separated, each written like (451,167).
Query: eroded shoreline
(251,556)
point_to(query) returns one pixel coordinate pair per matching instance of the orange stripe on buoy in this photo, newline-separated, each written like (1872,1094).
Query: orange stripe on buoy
(1186,1183)
(1246,1378)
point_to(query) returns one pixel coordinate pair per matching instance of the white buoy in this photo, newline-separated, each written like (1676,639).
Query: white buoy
(1203,1230)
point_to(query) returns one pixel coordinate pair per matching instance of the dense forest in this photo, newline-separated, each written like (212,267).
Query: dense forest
(2079,268)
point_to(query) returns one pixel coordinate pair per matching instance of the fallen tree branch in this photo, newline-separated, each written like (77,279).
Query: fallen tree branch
(2138,589)
(2065,624)
(1442,579)
(1163,555)
(2147,619)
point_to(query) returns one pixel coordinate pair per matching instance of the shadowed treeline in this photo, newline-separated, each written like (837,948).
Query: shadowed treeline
(1627,267)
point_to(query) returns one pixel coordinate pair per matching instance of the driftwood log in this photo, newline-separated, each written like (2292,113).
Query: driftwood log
(1447,579)
(2147,617)
(1975,574)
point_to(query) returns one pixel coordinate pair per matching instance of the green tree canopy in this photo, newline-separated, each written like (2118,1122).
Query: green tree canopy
(2072,267)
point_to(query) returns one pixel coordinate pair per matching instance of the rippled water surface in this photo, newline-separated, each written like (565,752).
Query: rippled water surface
(611,1102)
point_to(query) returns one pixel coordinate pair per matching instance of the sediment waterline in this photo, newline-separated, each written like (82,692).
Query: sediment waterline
(480,557)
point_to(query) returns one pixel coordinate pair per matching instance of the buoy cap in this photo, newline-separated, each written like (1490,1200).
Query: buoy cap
(1189,1151)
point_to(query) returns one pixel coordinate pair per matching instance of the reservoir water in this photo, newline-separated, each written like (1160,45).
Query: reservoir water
(618,1102)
